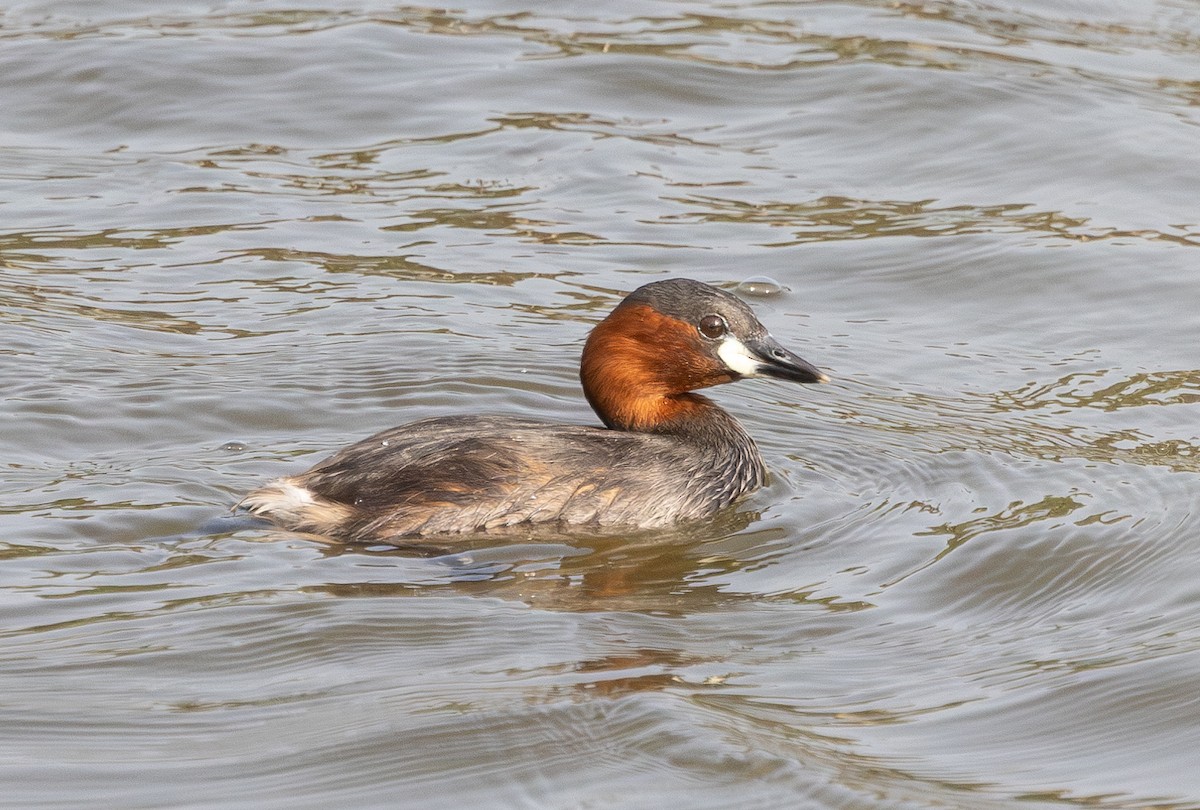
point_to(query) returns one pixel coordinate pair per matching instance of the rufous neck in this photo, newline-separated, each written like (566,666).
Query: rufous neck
(638,371)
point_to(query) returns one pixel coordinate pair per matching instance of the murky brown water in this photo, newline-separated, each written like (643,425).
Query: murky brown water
(236,236)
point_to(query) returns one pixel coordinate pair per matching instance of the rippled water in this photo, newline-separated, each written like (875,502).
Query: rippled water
(236,236)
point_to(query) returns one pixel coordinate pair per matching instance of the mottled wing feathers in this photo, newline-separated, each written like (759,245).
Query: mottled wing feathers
(457,475)
(460,475)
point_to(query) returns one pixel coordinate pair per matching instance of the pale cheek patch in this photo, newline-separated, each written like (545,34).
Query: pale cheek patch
(737,357)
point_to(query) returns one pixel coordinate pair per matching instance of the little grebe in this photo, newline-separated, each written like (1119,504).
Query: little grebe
(665,455)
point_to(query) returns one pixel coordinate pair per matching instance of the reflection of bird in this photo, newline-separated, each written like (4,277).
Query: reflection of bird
(667,454)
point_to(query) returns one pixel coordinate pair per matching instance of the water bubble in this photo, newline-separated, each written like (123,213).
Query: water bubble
(233,447)
(760,287)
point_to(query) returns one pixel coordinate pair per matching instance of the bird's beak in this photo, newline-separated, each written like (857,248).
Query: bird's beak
(775,361)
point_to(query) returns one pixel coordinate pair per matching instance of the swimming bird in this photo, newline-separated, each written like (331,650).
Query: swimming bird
(664,455)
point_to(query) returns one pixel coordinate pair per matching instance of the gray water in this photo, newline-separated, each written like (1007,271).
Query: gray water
(235,236)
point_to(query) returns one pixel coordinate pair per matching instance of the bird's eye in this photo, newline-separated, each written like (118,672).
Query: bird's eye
(713,326)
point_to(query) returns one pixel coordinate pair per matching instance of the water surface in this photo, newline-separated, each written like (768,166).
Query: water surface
(236,236)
